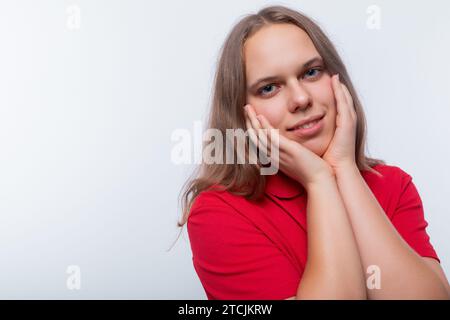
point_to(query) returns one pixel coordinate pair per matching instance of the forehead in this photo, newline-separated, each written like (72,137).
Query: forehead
(275,49)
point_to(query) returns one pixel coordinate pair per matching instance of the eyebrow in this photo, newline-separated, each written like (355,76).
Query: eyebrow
(273,78)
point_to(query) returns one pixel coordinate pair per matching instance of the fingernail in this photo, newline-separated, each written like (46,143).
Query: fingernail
(337,76)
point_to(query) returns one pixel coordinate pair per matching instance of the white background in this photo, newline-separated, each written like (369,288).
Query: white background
(86,117)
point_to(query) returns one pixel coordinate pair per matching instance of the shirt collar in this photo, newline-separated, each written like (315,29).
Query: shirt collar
(282,186)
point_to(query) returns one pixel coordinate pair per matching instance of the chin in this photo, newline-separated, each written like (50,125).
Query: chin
(319,145)
(319,150)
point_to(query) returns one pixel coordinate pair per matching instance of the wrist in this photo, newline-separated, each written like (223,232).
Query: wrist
(320,183)
(345,168)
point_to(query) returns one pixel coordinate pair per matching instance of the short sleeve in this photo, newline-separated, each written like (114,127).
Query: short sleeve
(409,219)
(233,258)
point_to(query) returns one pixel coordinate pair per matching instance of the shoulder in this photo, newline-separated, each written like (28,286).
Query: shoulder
(390,185)
(387,170)
(220,206)
(391,177)
(394,188)
(218,219)
(214,197)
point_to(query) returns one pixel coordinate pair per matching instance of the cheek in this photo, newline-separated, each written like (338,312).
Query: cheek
(272,112)
(331,116)
(331,123)
(323,93)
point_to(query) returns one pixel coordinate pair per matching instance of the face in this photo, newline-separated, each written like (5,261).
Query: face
(296,91)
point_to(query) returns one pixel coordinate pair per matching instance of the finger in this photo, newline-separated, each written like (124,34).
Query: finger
(264,144)
(251,132)
(341,86)
(271,139)
(253,143)
(264,122)
(344,109)
(339,94)
(257,137)
(261,134)
(279,145)
(266,126)
(272,132)
(347,94)
(351,106)
(252,116)
(273,135)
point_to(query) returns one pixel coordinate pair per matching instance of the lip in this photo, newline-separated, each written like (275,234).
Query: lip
(308,132)
(305,121)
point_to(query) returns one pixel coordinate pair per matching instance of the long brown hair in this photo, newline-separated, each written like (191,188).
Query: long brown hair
(229,97)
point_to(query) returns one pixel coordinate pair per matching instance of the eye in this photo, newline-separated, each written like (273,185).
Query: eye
(313,72)
(262,89)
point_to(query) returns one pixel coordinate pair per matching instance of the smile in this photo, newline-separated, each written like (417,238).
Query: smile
(309,129)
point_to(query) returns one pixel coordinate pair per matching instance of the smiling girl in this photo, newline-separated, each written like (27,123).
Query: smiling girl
(331,214)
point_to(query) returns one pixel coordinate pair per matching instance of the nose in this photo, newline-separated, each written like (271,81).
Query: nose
(299,98)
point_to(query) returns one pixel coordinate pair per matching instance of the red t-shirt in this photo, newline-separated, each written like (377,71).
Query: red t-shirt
(245,250)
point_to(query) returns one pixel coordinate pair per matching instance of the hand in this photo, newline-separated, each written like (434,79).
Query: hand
(295,160)
(341,150)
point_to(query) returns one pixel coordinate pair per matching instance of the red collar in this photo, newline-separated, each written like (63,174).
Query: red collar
(282,186)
